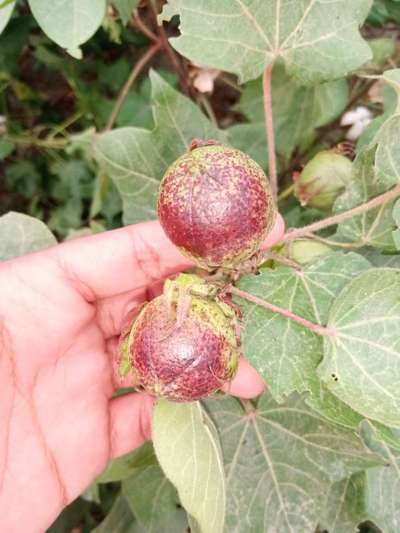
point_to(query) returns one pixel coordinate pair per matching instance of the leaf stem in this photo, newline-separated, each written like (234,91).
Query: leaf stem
(287,192)
(269,125)
(335,219)
(316,328)
(138,67)
(140,25)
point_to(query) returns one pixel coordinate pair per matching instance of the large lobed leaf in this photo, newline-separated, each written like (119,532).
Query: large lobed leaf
(317,40)
(280,460)
(361,364)
(285,353)
(136,159)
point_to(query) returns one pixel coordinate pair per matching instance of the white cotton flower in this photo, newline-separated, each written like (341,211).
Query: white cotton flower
(358,119)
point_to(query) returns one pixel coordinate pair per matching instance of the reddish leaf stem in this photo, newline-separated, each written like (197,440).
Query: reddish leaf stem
(141,26)
(269,125)
(129,82)
(316,328)
(335,219)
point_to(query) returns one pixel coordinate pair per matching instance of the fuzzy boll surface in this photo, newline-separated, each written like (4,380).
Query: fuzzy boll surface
(188,361)
(215,206)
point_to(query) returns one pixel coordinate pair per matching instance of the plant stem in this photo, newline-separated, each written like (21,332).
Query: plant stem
(335,219)
(278,258)
(269,124)
(204,101)
(56,144)
(140,25)
(128,84)
(287,192)
(163,39)
(316,328)
(329,242)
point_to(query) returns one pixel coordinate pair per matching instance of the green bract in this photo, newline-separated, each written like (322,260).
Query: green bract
(323,179)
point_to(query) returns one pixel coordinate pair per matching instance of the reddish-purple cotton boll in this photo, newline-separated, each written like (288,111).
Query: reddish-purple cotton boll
(215,205)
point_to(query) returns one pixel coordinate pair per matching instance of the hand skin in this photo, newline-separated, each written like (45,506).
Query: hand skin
(61,313)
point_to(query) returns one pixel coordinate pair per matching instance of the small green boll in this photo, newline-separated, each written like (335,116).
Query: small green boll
(323,179)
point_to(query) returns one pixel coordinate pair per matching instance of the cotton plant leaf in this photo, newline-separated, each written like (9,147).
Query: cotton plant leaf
(382,483)
(345,506)
(125,9)
(5,14)
(335,411)
(361,364)
(279,461)
(119,519)
(375,226)
(136,159)
(125,466)
(71,23)
(298,110)
(284,352)
(22,234)
(317,40)
(375,170)
(191,458)
(154,501)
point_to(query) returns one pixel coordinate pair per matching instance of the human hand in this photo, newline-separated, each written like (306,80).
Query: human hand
(61,313)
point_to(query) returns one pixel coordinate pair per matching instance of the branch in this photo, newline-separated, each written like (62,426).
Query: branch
(173,58)
(335,219)
(269,125)
(129,82)
(316,328)
(141,26)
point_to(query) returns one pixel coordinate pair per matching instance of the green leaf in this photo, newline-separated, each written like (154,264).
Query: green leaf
(154,501)
(125,8)
(345,505)
(382,497)
(21,234)
(124,466)
(136,159)
(285,353)
(6,147)
(5,14)
(361,364)
(70,23)
(374,227)
(298,110)
(280,460)
(396,218)
(191,458)
(119,519)
(321,400)
(316,40)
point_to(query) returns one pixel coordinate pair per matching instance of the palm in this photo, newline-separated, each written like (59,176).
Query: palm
(61,312)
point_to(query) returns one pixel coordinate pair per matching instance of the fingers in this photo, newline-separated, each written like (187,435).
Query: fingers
(276,233)
(120,260)
(130,422)
(247,383)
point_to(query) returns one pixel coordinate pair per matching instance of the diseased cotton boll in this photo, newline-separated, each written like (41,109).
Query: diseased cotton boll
(182,355)
(215,205)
